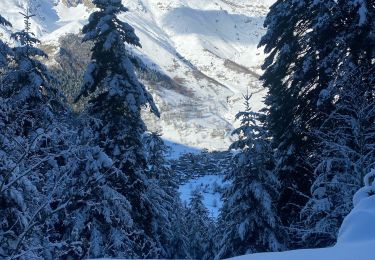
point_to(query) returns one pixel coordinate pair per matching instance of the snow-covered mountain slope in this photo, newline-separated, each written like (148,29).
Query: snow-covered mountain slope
(52,17)
(207,48)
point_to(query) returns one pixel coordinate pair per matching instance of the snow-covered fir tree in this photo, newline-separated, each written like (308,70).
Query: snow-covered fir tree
(30,146)
(156,151)
(91,218)
(27,85)
(116,99)
(7,163)
(283,48)
(200,228)
(170,224)
(309,45)
(180,240)
(345,154)
(249,215)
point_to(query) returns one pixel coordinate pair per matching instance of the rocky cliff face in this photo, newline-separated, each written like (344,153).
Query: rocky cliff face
(201,56)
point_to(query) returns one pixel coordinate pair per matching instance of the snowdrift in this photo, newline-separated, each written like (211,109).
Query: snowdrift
(356,239)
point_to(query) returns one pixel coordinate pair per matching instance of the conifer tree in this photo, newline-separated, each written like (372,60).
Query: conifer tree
(27,86)
(91,218)
(30,143)
(249,215)
(179,239)
(347,142)
(6,163)
(169,223)
(116,99)
(309,44)
(200,227)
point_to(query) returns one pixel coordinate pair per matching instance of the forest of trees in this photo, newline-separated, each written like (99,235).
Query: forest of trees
(96,183)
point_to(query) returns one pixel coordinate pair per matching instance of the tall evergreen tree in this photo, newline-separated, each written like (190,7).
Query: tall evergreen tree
(54,195)
(169,223)
(6,163)
(309,45)
(116,99)
(29,145)
(347,142)
(90,217)
(200,228)
(27,86)
(249,215)
(180,240)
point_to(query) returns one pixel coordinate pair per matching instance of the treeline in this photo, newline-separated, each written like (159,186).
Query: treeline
(191,166)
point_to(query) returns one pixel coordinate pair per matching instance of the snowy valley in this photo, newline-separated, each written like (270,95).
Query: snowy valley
(207,51)
(187,129)
(205,56)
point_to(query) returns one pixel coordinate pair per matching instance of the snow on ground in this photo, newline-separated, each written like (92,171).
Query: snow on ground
(356,239)
(50,21)
(177,150)
(70,20)
(359,225)
(209,186)
(355,251)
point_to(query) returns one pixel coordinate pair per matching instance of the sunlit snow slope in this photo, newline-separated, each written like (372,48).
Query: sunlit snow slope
(207,48)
